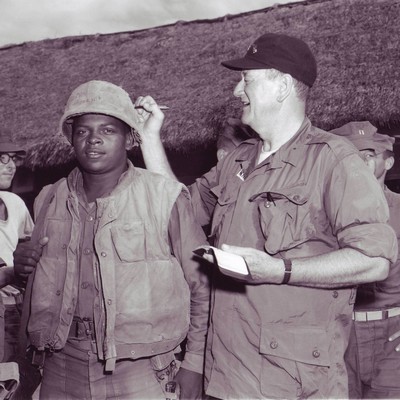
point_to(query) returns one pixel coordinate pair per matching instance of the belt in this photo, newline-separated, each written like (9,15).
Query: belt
(82,328)
(365,316)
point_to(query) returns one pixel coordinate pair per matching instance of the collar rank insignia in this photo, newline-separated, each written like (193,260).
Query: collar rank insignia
(240,174)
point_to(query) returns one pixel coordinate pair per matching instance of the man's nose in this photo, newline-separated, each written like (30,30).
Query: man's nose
(238,91)
(93,138)
(11,165)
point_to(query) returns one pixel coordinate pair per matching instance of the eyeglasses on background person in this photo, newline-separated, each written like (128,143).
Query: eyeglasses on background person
(5,158)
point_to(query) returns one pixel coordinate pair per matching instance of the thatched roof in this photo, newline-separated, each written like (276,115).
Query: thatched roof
(356,43)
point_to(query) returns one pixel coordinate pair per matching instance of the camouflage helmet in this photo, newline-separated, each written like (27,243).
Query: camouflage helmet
(99,97)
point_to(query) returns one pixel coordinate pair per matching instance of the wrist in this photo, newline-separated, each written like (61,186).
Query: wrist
(6,276)
(288,271)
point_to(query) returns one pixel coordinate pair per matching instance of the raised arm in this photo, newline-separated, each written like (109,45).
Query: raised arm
(151,118)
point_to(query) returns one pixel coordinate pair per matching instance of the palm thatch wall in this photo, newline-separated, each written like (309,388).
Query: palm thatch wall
(356,43)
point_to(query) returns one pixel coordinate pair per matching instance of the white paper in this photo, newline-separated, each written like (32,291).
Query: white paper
(231,262)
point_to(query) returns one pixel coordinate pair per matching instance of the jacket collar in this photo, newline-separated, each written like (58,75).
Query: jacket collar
(75,181)
(289,153)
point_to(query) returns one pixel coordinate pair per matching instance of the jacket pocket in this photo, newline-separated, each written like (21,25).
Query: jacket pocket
(284,217)
(129,241)
(300,353)
(47,298)
(58,231)
(158,307)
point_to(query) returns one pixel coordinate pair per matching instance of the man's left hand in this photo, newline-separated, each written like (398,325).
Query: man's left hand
(190,383)
(26,256)
(262,267)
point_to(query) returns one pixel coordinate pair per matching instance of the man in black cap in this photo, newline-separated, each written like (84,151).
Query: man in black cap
(309,228)
(373,363)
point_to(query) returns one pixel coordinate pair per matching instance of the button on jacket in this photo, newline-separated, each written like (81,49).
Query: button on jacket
(151,298)
(313,196)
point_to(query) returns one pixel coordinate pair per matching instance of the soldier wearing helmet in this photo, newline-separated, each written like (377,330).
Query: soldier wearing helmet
(115,290)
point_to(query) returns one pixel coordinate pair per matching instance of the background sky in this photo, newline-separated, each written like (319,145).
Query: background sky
(31,20)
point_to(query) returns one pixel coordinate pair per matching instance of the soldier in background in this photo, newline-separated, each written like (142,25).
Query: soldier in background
(372,357)
(232,135)
(15,224)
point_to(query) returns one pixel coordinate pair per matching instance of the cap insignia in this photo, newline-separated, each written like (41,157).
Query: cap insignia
(253,48)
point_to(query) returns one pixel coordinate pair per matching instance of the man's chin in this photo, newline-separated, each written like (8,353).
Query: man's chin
(245,115)
(5,184)
(244,120)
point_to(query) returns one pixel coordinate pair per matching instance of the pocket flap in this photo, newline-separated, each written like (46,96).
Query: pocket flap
(296,195)
(224,196)
(304,344)
(129,240)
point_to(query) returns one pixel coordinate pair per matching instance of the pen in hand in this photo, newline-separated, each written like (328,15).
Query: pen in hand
(160,107)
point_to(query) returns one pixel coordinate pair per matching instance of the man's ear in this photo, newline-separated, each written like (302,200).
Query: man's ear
(285,88)
(389,162)
(130,140)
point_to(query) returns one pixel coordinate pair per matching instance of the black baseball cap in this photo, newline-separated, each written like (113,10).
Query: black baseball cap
(284,53)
